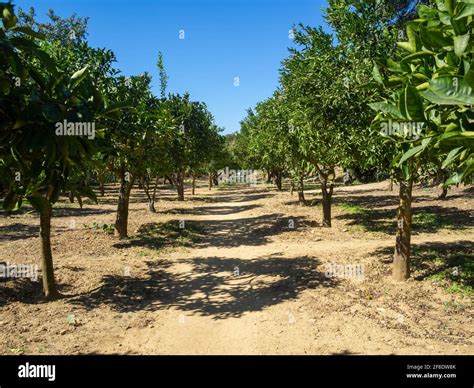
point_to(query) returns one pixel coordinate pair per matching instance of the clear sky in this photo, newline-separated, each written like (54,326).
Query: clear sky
(222,40)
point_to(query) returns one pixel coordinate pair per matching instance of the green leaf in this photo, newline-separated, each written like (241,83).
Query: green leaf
(411,153)
(78,76)
(434,39)
(441,5)
(411,105)
(451,157)
(387,108)
(119,106)
(405,172)
(438,100)
(376,74)
(8,17)
(450,90)
(426,13)
(469,76)
(466,11)
(454,179)
(450,4)
(460,44)
(463,136)
(407,46)
(418,55)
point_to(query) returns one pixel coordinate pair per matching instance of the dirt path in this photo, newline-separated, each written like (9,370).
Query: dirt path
(253,283)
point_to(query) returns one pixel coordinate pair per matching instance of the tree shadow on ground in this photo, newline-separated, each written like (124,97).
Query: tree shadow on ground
(426,219)
(154,235)
(30,290)
(66,211)
(251,231)
(311,201)
(214,210)
(365,201)
(20,290)
(436,259)
(217,287)
(243,198)
(18,231)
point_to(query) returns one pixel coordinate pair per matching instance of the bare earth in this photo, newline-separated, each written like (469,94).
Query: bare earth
(248,284)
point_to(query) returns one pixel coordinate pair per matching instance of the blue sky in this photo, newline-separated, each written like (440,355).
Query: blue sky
(222,40)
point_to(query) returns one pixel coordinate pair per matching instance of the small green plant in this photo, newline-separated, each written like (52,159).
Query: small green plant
(453,272)
(423,220)
(71,319)
(353,209)
(107,228)
(172,233)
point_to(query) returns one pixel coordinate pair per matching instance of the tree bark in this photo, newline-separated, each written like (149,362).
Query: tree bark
(193,190)
(269,176)
(121,220)
(444,193)
(210,181)
(49,283)
(278,180)
(327,199)
(150,196)
(180,185)
(401,258)
(101,188)
(301,198)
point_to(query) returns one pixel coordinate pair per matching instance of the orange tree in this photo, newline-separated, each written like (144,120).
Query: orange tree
(37,155)
(428,113)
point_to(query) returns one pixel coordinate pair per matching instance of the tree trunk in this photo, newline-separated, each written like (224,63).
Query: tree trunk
(444,193)
(180,185)
(269,176)
(390,185)
(71,197)
(210,181)
(49,283)
(193,190)
(301,198)
(151,197)
(101,188)
(151,206)
(215,179)
(121,220)
(327,200)
(401,258)
(278,180)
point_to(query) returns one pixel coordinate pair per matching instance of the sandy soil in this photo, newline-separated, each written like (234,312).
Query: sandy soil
(253,281)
